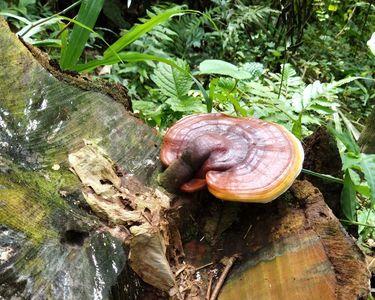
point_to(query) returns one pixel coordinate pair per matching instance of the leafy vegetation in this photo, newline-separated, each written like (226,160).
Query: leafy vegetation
(300,65)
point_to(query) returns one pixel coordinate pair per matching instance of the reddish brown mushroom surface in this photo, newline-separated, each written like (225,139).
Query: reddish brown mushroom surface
(239,159)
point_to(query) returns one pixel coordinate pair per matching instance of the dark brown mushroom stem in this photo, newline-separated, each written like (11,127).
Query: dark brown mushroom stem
(191,162)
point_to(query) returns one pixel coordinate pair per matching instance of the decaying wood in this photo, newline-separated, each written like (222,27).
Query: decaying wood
(347,259)
(129,206)
(301,250)
(330,163)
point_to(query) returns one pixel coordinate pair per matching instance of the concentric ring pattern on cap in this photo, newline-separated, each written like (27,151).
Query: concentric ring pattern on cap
(268,157)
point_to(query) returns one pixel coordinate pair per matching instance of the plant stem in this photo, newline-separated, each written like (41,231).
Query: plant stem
(41,21)
(323,176)
(357,223)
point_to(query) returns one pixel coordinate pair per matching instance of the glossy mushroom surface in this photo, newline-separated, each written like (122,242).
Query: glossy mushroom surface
(239,159)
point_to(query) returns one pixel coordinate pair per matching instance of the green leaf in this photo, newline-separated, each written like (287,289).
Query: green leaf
(122,57)
(87,15)
(186,105)
(321,109)
(351,160)
(346,138)
(348,197)
(220,67)
(172,82)
(135,57)
(323,176)
(366,216)
(24,3)
(254,68)
(367,163)
(297,127)
(63,36)
(349,125)
(22,19)
(137,31)
(237,107)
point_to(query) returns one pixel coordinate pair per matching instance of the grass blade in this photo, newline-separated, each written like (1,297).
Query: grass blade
(10,15)
(137,31)
(348,197)
(323,176)
(87,15)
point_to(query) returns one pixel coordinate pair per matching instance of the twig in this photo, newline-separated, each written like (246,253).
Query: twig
(248,230)
(180,270)
(204,266)
(370,264)
(223,276)
(208,294)
(343,28)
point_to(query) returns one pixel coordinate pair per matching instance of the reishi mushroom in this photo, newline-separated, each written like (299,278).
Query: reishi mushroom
(239,159)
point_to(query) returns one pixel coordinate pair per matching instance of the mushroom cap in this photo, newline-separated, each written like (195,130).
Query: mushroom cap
(256,162)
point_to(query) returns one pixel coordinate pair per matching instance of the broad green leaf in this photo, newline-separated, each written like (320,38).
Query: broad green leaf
(363,189)
(350,160)
(367,163)
(137,31)
(220,67)
(171,81)
(87,15)
(348,197)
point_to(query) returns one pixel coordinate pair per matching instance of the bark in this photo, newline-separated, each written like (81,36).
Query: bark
(53,244)
(367,139)
(78,192)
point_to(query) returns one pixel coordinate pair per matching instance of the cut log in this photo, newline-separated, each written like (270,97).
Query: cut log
(300,252)
(51,244)
(291,248)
